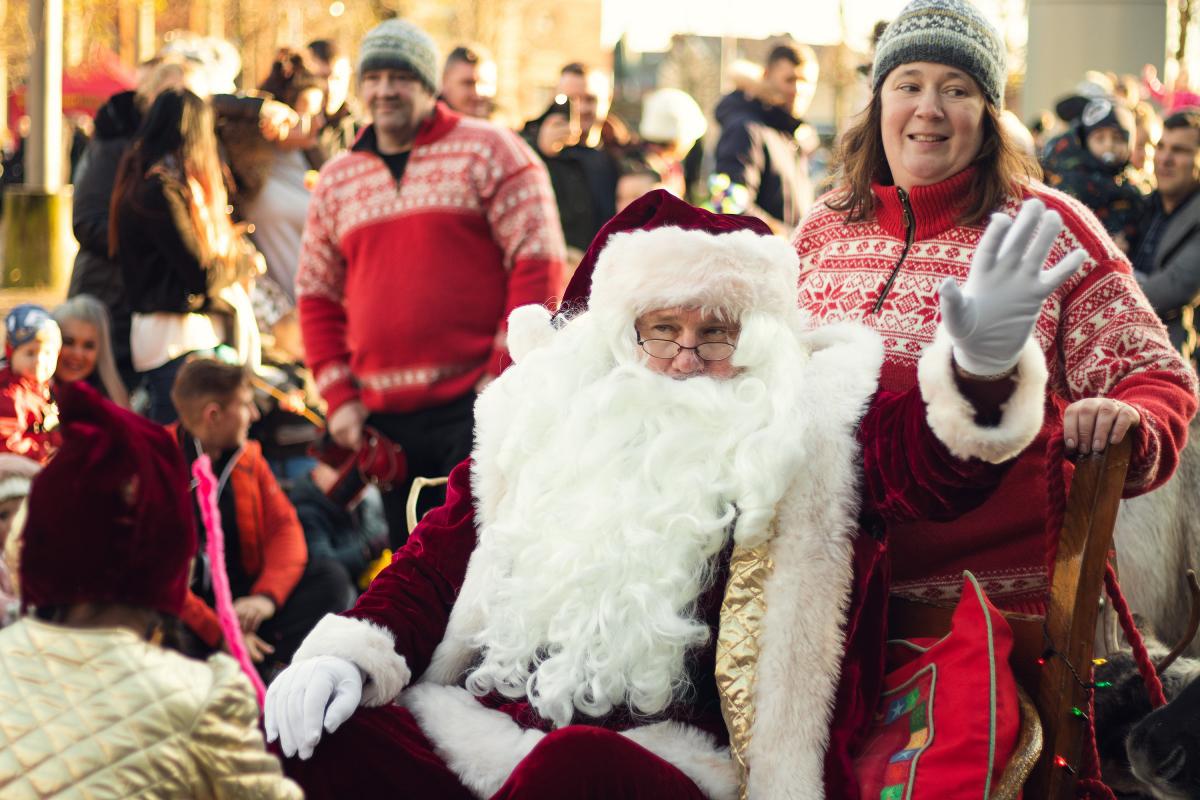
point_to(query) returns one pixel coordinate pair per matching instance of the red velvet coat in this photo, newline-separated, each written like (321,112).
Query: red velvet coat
(907,469)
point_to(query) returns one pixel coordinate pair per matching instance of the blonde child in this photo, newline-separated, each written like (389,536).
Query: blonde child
(27,414)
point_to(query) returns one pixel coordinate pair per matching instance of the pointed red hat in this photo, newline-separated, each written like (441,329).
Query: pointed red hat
(110,517)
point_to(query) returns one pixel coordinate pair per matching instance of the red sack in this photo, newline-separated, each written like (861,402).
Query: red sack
(949,717)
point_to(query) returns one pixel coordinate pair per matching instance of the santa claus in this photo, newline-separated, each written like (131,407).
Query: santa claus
(662,571)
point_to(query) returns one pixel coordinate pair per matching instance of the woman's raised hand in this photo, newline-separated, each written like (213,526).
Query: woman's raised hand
(992,315)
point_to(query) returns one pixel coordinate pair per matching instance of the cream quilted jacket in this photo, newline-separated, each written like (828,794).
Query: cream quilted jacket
(101,713)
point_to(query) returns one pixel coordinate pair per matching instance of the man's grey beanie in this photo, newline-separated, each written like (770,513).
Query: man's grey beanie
(950,32)
(396,44)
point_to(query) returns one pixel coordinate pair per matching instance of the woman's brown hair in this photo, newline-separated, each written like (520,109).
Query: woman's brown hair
(1002,169)
(178,135)
(291,75)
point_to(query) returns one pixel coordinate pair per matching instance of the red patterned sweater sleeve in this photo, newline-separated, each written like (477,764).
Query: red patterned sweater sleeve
(320,284)
(413,596)
(1112,344)
(523,217)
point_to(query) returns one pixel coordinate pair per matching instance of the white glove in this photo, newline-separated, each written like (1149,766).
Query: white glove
(991,317)
(313,695)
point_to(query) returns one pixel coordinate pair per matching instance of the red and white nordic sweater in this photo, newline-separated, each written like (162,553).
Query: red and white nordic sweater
(1100,336)
(404,289)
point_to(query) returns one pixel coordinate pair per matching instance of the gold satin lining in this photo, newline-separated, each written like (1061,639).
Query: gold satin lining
(737,645)
(1025,754)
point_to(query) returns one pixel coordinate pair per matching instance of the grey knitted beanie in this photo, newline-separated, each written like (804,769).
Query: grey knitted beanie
(396,44)
(950,32)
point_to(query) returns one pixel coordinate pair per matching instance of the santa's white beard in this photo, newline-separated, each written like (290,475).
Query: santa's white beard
(603,541)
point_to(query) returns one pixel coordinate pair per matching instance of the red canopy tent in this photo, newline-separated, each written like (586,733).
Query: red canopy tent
(85,88)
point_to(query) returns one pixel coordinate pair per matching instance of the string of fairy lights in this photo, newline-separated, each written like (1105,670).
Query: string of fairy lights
(1089,687)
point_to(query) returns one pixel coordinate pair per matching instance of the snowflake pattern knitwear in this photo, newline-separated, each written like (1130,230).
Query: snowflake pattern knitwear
(1100,336)
(404,290)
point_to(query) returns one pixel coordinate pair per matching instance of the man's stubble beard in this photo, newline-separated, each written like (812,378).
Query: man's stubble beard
(399,127)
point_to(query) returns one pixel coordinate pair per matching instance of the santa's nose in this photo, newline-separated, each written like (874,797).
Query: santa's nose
(687,363)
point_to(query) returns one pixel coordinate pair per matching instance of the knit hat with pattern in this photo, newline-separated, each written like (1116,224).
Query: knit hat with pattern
(396,44)
(950,32)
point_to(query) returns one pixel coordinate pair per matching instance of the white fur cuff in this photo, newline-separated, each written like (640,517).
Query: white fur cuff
(369,647)
(694,753)
(952,417)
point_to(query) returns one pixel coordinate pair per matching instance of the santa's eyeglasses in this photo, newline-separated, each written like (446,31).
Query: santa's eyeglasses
(669,348)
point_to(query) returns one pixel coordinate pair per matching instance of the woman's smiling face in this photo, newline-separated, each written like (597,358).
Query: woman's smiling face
(932,122)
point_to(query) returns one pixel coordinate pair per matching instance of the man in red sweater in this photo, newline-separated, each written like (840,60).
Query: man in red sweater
(418,243)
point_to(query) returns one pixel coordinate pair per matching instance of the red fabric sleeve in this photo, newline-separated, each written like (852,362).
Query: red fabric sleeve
(523,217)
(320,283)
(908,474)
(1166,408)
(323,328)
(532,280)
(201,620)
(1110,343)
(413,596)
(284,552)
(1121,351)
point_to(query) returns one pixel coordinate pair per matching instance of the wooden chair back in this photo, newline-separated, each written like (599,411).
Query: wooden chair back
(1068,629)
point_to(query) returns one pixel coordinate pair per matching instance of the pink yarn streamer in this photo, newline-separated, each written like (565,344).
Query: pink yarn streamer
(206,488)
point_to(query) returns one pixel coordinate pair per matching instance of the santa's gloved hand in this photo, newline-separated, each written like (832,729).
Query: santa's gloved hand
(992,315)
(313,695)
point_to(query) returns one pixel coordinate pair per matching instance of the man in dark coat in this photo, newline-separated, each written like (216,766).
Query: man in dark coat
(1166,250)
(761,168)
(567,137)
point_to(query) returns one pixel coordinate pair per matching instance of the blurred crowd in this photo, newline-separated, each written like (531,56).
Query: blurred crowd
(309,283)
(208,233)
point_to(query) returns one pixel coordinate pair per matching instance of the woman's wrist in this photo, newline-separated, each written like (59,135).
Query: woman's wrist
(968,375)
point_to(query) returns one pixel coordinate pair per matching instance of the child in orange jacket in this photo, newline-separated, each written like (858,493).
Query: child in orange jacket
(278,593)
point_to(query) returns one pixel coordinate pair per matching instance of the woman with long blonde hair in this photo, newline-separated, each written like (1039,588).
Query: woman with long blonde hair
(87,353)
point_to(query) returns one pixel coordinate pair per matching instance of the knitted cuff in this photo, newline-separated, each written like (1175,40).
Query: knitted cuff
(337,386)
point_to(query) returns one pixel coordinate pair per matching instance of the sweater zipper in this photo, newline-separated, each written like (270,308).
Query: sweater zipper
(910,233)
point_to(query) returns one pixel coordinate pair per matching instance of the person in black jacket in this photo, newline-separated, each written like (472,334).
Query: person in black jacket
(760,168)
(582,171)
(117,122)
(183,261)
(94,273)
(351,536)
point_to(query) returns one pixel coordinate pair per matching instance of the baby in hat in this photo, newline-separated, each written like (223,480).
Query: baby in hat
(27,414)
(1090,162)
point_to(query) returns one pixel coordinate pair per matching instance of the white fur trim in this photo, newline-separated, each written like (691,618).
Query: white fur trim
(528,328)
(13,487)
(667,267)
(694,753)
(481,746)
(952,417)
(370,647)
(808,592)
